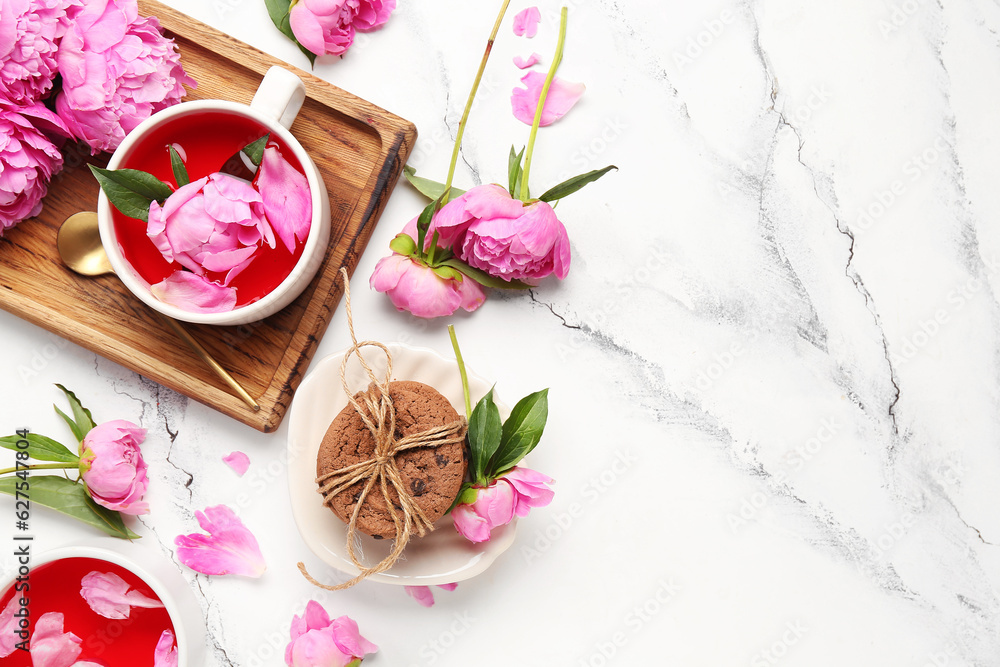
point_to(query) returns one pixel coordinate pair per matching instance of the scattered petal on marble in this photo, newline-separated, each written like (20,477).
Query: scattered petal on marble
(526,22)
(238,461)
(525,63)
(229,548)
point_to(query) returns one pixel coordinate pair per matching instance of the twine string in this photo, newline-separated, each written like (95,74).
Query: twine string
(378,414)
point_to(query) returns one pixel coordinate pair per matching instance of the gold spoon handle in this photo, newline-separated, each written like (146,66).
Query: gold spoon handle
(207,358)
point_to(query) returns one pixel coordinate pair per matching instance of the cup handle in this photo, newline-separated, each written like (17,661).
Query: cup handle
(279,96)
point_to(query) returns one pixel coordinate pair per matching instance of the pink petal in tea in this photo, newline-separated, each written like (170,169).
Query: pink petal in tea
(238,461)
(526,22)
(165,653)
(229,548)
(561,97)
(287,201)
(8,627)
(194,293)
(109,595)
(50,646)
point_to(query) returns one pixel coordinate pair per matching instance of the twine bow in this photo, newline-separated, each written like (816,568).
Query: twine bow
(379,416)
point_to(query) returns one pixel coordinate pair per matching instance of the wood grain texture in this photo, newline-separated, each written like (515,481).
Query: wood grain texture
(359,148)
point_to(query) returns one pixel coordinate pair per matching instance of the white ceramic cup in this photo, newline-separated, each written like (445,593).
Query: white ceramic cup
(158,573)
(275,106)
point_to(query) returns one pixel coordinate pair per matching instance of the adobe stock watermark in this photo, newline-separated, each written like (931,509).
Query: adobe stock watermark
(40,358)
(585,157)
(913,170)
(637,618)
(654,262)
(794,459)
(773,654)
(928,328)
(899,15)
(590,493)
(699,43)
(435,647)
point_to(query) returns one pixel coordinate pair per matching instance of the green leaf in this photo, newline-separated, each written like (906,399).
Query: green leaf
(485,429)
(81,415)
(483,278)
(131,191)
(278,11)
(71,499)
(402,244)
(570,186)
(521,432)
(514,171)
(447,273)
(255,150)
(77,433)
(427,187)
(40,448)
(177,166)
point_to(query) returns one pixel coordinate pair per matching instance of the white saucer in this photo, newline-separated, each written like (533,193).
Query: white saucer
(440,557)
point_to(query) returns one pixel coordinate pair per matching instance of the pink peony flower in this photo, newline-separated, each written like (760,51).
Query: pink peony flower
(560,99)
(525,63)
(326,27)
(490,230)
(109,595)
(413,286)
(229,548)
(165,653)
(118,69)
(194,293)
(285,194)
(112,468)
(28,159)
(526,22)
(29,30)
(496,505)
(319,642)
(214,224)
(238,461)
(423,594)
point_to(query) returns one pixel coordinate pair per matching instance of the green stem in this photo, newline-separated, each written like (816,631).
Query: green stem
(40,466)
(430,254)
(461,370)
(541,102)
(468,105)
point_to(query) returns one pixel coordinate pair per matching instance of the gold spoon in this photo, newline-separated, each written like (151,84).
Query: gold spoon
(80,248)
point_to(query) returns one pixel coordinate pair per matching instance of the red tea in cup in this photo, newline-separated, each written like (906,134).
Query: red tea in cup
(205,139)
(55,587)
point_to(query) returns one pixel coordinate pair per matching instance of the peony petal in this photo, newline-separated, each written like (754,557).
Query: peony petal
(422,594)
(470,525)
(238,461)
(109,596)
(165,653)
(561,97)
(194,293)
(416,288)
(526,22)
(50,646)
(229,548)
(448,587)
(9,627)
(525,63)
(348,637)
(287,200)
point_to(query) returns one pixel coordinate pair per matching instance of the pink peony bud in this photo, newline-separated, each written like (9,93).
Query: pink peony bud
(319,642)
(490,230)
(112,468)
(326,27)
(118,69)
(496,505)
(413,286)
(28,159)
(29,31)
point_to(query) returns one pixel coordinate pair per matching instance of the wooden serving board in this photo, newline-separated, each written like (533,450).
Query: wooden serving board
(359,148)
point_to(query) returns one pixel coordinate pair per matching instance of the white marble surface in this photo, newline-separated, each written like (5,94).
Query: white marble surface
(773,366)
